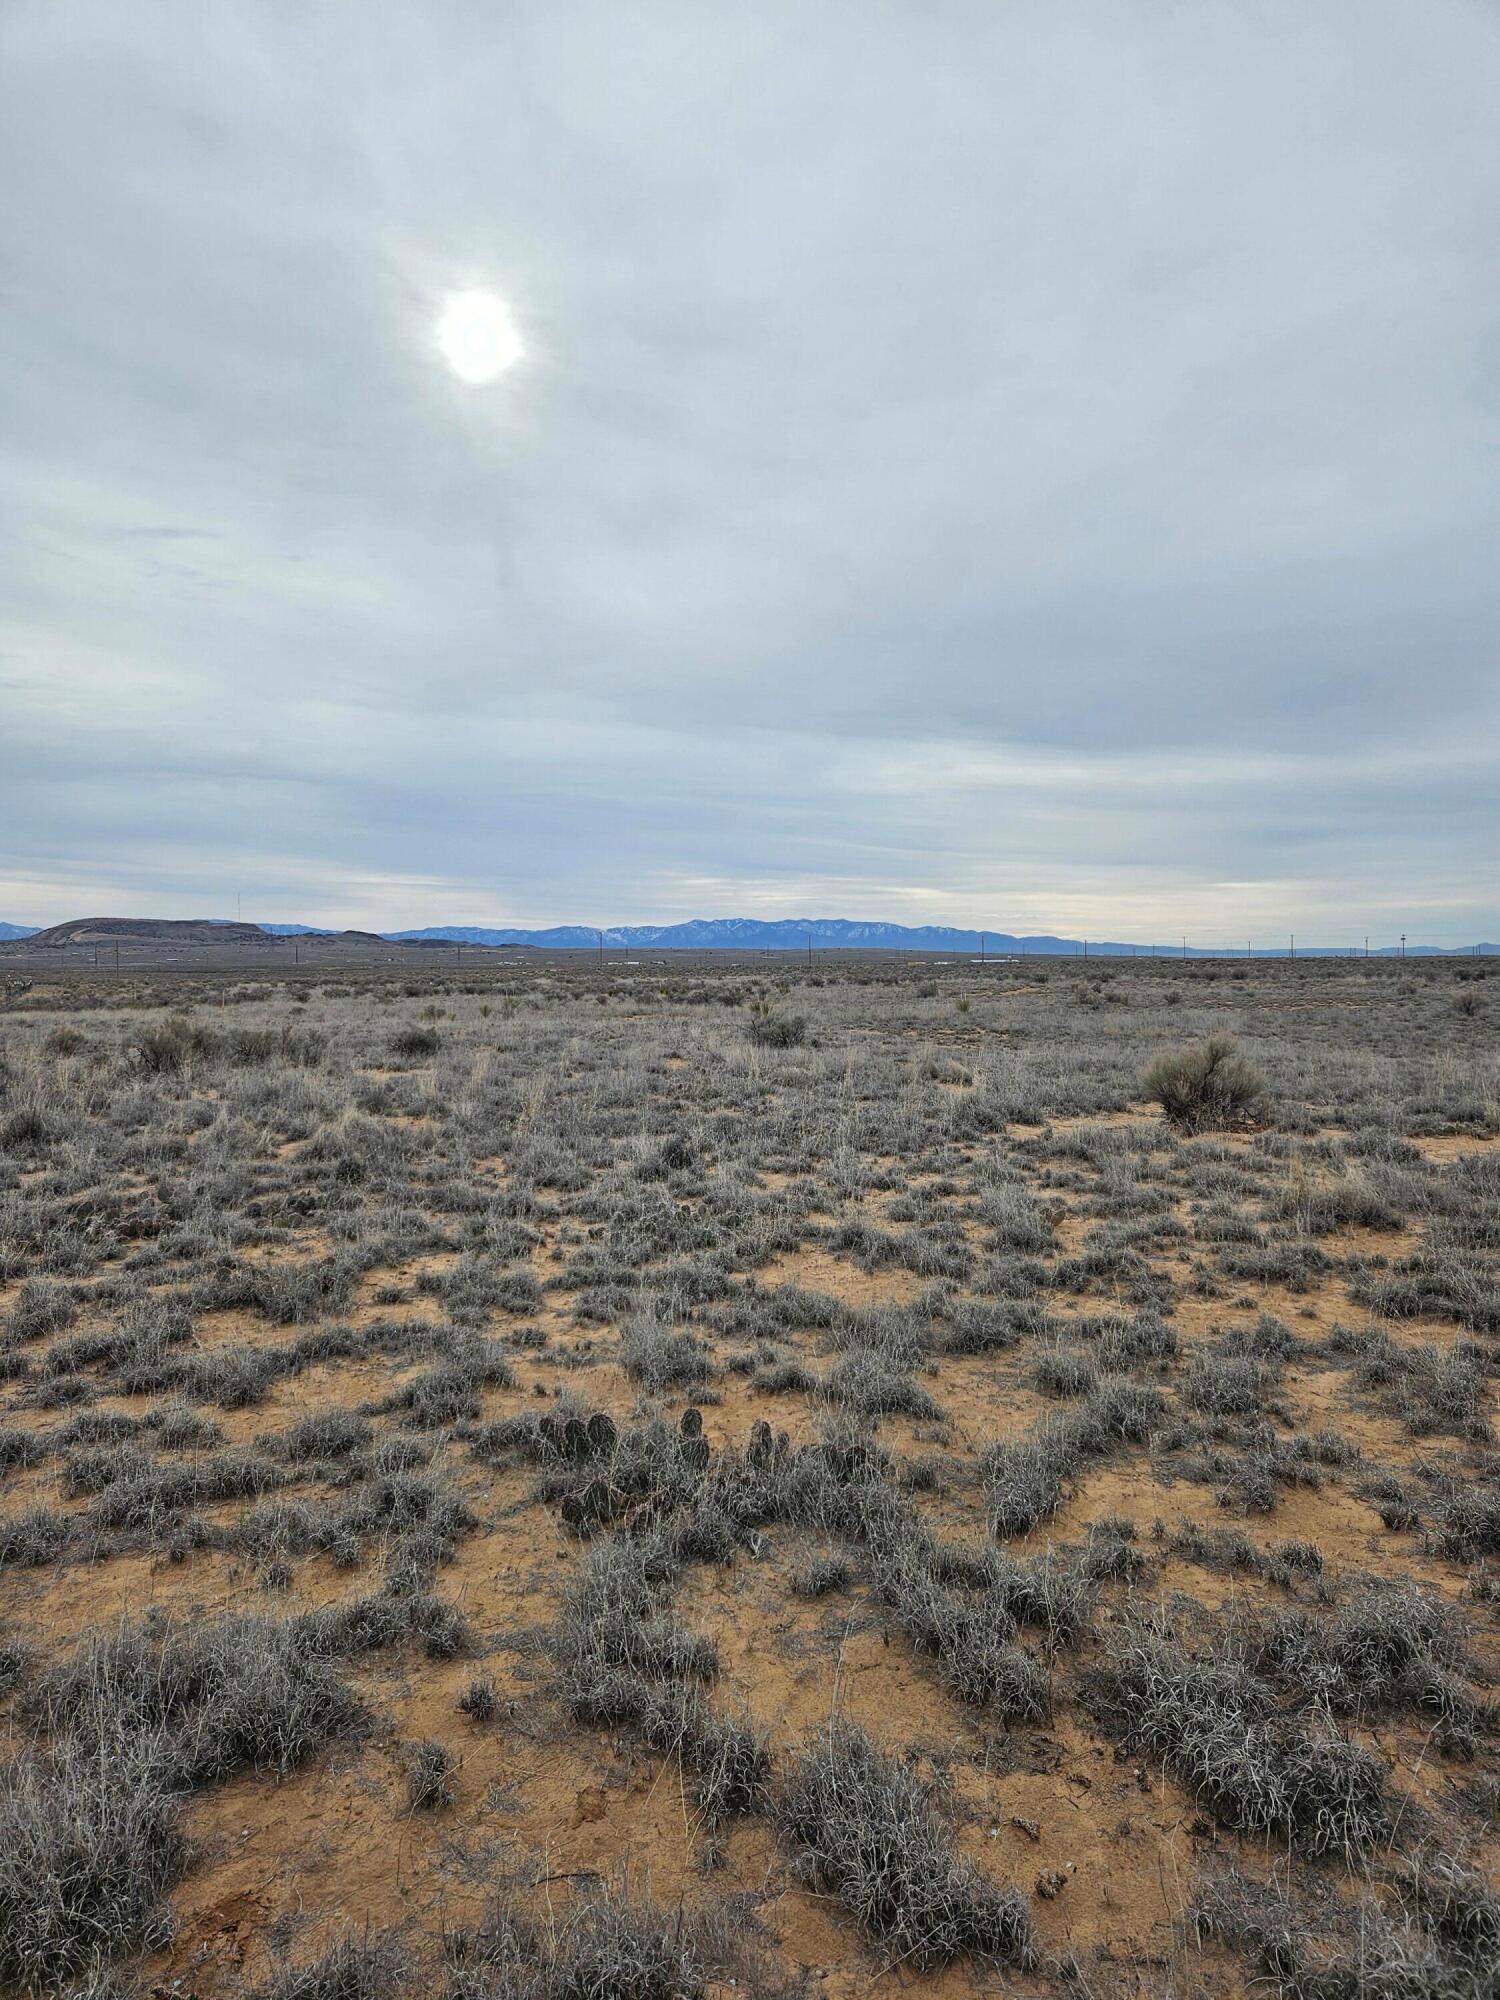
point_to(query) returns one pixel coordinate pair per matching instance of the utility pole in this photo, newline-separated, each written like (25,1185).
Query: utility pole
(1184,947)
(809,951)
(1367,947)
(1291,944)
(981,947)
(600,936)
(1403,944)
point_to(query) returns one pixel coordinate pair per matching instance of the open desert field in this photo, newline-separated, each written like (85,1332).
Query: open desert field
(578,1482)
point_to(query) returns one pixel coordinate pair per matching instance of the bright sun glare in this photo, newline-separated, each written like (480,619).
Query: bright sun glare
(478,337)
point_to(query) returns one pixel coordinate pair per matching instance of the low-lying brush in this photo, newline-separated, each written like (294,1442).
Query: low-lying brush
(1219,1730)
(609,1945)
(1207,1086)
(366,1968)
(625,1663)
(89,1820)
(1388,1651)
(1431,1933)
(90,1843)
(1026,1481)
(598,1390)
(866,1829)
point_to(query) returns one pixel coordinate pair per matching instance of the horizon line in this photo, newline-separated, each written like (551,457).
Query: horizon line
(586,936)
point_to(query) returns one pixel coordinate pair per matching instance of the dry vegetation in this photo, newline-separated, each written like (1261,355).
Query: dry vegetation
(657,1482)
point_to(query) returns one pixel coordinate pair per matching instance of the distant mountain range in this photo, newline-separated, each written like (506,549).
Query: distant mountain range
(841,934)
(710,934)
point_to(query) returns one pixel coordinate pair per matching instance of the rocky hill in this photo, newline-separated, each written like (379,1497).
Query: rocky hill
(148,930)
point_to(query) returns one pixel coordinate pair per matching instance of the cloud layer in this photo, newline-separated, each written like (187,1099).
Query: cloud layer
(1026,465)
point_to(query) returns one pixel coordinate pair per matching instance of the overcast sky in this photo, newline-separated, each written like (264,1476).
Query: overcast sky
(1019,462)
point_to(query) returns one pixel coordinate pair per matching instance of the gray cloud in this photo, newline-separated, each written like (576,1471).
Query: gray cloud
(1031,465)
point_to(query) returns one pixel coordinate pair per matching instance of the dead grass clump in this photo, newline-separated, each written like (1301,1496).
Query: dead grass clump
(326,1434)
(607,1946)
(28,1540)
(1346,1201)
(1228,1385)
(232,1693)
(1218,1728)
(869,1386)
(1433,1389)
(659,1358)
(866,1828)
(42,1306)
(1064,1372)
(971,1631)
(89,1818)
(822,1576)
(1441,1282)
(1429,1934)
(352,1969)
(625,1662)
(1026,1481)
(1466,1524)
(983,1327)
(429,1777)
(1389,1651)
(90,1843)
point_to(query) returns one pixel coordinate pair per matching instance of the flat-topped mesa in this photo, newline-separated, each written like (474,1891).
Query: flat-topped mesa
(164,930)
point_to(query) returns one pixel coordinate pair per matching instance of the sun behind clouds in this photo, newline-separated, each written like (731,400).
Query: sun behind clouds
(477,335)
